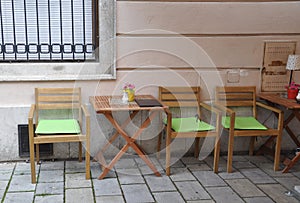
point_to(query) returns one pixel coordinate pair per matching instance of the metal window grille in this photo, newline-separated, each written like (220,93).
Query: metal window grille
(48,30)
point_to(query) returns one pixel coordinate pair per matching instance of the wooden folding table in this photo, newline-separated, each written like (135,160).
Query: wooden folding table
(107,105)
(294,107)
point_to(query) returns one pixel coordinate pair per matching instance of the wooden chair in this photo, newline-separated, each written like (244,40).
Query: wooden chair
(188,127)
(66,128)
(238,125)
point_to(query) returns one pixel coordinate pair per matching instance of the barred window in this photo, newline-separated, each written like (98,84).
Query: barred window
(48,30)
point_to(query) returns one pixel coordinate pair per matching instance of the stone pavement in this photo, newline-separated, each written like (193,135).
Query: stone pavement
(131,181)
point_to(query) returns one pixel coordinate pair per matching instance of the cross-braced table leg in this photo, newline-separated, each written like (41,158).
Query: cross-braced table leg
(297,157)
(130,143)
(295,113)
(99,157)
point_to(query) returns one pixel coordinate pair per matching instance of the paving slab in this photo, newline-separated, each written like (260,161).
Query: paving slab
(16,197)
(79,195)
(175,162)
(258,159)
(192,190)
(209,179)
(110,199)
(201,201)
(126,163)
(75,166)
(3,184)
(5,175)
(145,168)
(2,193)
(277,193)
(130,176)
(191,160)
(160,184)
(75,180)
(137,193)
(21,183)
(50,188)
(236,158)
(258,200)
(51,176)
(245,188)
(23,168)
(269,169)
(164,197)
(257,176)
(107,186)
(288,182)
(96,171)
(224,194)
(7,167)
(181,174)
(49,198)
(243,164)
(52,165)
(233,175)
(199,167)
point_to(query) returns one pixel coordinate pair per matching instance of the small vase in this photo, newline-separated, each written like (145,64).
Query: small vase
(125,97)
(130,94)
(292,93)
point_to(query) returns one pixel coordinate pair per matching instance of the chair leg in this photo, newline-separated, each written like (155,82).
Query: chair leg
(251,146)
(80,152)
(230,152)
(168,155)
(197,150)
(37,149)
(31,152)
(159,145)
(87,162)
(277,153)
(217,154)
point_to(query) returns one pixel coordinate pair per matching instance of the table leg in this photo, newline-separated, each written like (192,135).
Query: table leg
(291,164)
(114,137)
(130,143)
(288,130)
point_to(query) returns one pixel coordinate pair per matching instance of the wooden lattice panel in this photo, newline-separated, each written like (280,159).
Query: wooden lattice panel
(274,73)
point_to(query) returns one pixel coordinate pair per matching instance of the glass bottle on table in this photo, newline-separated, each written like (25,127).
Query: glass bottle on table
(125,97)
(298,97)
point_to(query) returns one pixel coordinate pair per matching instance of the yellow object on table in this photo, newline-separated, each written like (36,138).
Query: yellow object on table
(130,94)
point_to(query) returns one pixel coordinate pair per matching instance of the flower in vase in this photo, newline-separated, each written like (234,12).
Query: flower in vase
(292,86)
(128,87)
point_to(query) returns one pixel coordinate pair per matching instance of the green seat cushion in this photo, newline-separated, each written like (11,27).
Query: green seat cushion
(243,123)
(189,124)
(64,126)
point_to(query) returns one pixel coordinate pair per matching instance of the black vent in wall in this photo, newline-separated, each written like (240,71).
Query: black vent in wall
(23,134)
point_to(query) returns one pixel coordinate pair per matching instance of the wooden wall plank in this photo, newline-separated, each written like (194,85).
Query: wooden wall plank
(204,52)
(208,17)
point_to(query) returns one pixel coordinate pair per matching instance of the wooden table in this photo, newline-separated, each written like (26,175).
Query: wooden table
(106,105)
(290,104)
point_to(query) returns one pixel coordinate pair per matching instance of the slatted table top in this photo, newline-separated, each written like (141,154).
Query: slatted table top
(280,99)
(104,104)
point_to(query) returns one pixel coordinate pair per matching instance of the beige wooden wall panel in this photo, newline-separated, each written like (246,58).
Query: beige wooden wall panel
(181,52)
(209,17)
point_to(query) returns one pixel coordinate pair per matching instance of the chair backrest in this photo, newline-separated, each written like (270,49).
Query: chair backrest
(237,96)
(58,99)
(180,97)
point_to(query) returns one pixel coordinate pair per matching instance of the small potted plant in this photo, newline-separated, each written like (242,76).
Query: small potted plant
(130,90)
(292,90)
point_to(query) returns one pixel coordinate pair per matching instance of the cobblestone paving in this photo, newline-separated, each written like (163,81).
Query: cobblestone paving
(253,181)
